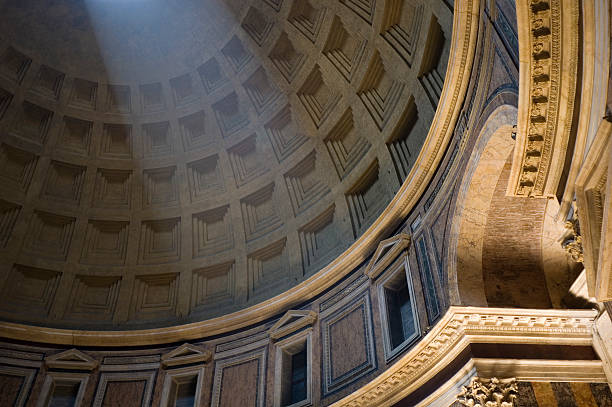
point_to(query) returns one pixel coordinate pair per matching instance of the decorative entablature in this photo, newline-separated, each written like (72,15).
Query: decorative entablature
(462,326)
(387,251)
(548,47)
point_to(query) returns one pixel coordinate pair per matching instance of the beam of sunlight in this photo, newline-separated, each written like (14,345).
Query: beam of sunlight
(141,40)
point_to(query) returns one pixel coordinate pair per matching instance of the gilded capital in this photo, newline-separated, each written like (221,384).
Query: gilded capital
(492,392)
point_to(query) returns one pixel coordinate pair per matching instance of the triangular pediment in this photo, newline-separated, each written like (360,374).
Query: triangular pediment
(72,359)
(292,321)
(387,251)
(185,354)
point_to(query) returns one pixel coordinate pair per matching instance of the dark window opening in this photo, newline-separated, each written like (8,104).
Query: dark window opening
(294,380)
(64,394)
(298,376)
(186,392)
(400,314)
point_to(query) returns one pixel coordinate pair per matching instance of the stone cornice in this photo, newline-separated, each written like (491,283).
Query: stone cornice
(595,72)
(462,49)
(462,326)
(548,51)
(592,199)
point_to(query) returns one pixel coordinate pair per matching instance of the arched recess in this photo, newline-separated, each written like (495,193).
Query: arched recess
(504,250)
(492,149)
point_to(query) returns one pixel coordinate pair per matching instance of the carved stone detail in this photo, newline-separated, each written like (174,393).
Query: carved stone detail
(71,359)
(184,355)
(572,242)
(489,393)
(547,93)
(458,327)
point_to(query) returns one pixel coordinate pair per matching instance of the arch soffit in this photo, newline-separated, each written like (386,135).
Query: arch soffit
(493,147)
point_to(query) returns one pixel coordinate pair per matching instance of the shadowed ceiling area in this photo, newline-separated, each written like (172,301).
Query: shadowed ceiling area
(168,162)
(120,40)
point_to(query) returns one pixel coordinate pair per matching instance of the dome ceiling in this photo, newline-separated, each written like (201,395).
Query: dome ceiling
(120,40)
(166,162)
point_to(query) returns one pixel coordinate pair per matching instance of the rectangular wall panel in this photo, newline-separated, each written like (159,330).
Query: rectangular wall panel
(240,381)
(125,389)
(348,343)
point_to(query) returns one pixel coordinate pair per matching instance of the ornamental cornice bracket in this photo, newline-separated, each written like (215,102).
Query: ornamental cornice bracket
(548,47)
(492,392)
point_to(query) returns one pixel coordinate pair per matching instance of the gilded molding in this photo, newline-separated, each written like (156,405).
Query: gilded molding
(462,326)
(548,46)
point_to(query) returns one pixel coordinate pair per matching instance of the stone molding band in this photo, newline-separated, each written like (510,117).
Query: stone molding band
(548,52)
(462,326)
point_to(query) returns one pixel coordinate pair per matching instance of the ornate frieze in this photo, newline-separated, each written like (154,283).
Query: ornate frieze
(492,392)
(548,37)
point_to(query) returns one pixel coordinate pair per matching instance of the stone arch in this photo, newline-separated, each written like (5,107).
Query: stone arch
(493,147)
(499,241)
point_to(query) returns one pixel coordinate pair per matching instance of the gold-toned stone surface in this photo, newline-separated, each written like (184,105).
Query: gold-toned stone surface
(548,36)
(492,392)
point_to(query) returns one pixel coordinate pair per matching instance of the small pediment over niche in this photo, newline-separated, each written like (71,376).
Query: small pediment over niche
(184,355)
(292,321)
(71,359)
(387,251)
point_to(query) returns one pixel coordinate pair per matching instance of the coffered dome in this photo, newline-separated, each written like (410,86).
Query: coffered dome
(169,162)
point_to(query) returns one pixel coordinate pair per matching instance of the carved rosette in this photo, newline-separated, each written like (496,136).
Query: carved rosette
(548,38)
(489,393)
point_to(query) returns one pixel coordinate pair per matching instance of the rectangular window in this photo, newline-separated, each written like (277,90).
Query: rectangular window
(429,285)
(294,378)
(185,392)
(64,394)
(182,387)
(63,389)
(397,308)
(293,370)
(298,376)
